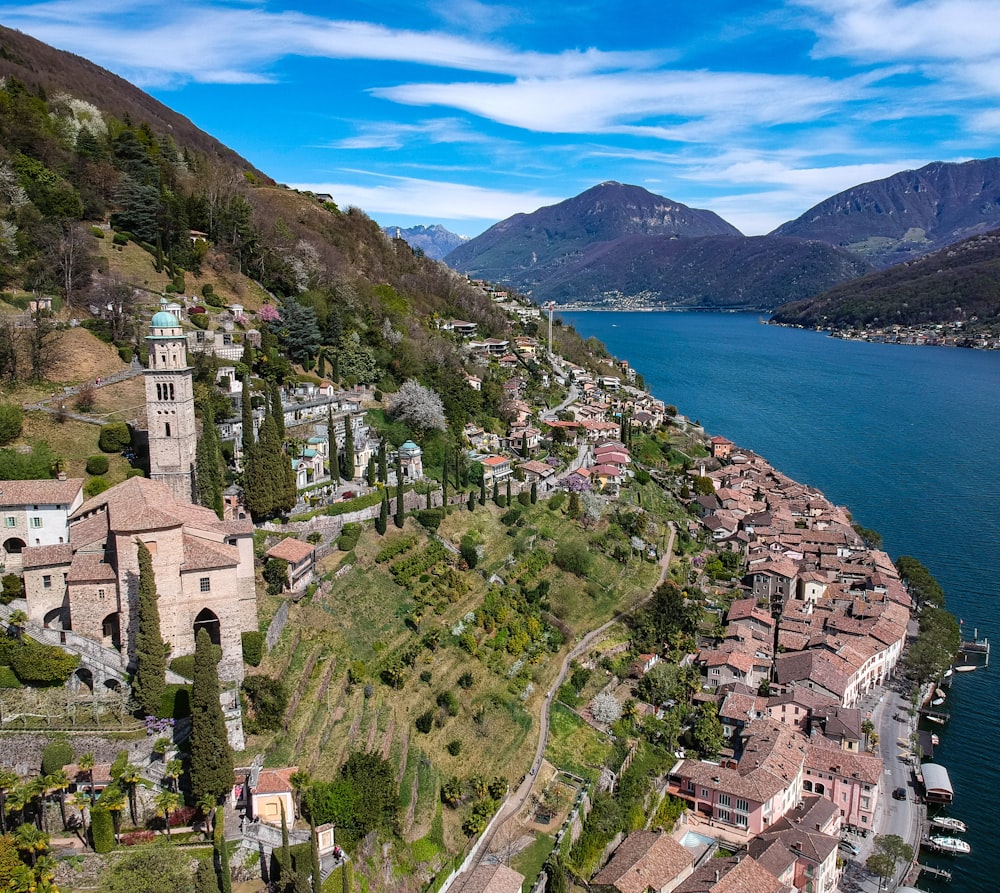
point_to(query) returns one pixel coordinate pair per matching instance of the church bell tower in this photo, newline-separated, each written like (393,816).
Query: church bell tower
(173,434)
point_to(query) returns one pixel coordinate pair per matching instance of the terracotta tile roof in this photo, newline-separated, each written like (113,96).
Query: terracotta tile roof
(201,554)
(41,492)
(732,875)
(533,466)
(89,531)
(291,550)
(46,556)
(90,567)
(275,781)
(495,460)
(645,859)
(489,879)
(823,755)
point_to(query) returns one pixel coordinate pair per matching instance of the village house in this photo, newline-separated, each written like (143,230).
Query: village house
(36,513)
(801,848)
(645,861)
(265,794)
(496,469)
(489,879)
(301,558)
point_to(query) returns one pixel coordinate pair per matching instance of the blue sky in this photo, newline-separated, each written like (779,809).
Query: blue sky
(463,112)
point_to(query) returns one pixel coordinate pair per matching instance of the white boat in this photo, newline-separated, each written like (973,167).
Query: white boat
(946,821)
(965,668)
(950,845)
(937,702)
(938,719)
(947,672)
(935,740)
(939,692)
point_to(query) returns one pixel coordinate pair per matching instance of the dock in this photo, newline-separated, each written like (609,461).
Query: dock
(934,872)
(975,647)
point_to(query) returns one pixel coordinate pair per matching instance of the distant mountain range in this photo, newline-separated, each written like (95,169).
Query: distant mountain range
(620,245)
(435,241)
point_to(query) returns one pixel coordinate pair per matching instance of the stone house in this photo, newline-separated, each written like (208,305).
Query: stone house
(35,513)
(301,558)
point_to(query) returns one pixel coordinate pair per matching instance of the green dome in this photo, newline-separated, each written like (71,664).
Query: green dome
(164,320)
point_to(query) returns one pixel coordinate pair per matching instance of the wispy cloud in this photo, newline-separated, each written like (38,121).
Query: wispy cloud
(412,197)
(396,135)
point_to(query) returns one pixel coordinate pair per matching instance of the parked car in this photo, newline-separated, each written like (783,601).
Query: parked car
(899,794)
(849,847)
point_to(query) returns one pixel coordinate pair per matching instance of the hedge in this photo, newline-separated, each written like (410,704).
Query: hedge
(42,664)
(184,665)
(114,437)
(57,753)
(176,701)
(253,647)
(102,830)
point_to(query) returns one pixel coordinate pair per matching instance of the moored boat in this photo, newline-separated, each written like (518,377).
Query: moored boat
(965,668)
(939,692)
(937,702)
(938,719)
(950,845)
(952,824)
(947,673)
(935,740)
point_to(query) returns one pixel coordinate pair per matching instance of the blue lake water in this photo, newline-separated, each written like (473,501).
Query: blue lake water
(906,437)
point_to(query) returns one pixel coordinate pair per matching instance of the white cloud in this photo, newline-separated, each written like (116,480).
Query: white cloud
(431,199)
(395,135)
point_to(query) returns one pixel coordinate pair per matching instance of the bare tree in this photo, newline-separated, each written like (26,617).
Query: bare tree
(40,337)
(8,350)
(72,259)
(117,302)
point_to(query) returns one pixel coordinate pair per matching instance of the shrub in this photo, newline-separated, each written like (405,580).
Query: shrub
(57,753)
(42,664)
(134,473)
(125,353)
(102,826)
(134,838)
(97,465)
(510,517)
(349,536)
(448,700)
(253,647)
(11,420)
(199,320)
(176,701)
(556,500)
(115,436)
(276,575)
(430,518)
(465,681)
(425,722)
(97,232)
(314,538)
(469,552)
(95,486)
(12,588)
(524,498)
(501,501)
(454,747)
(8,679)
(120,238)
(572,557)
(183,666)
(265,700)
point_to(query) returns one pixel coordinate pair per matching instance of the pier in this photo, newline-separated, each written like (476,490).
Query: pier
(934,872)
(975,647)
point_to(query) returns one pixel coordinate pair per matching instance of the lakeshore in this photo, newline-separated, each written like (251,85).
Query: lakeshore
(772,388)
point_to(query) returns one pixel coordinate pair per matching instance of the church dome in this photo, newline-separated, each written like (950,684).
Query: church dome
(164,320)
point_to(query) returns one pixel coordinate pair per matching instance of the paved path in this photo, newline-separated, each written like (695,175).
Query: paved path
(514,803)
(60,398)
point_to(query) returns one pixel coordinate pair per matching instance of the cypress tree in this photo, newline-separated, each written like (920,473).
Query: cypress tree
(150,651)
(444,489)
(534,492)
(383,464)
(508,491)
(205,879)
(334,450)
(371,472)
(398,519)
(211,759)
(210,470)
(277,411)
(496,489)
(317,878)
(428,498)
(347,463)
(246,413)
(221,851)
(382,521)
(472,501)
(482,492)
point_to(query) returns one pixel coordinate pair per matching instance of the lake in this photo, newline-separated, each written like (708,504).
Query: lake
(904,436)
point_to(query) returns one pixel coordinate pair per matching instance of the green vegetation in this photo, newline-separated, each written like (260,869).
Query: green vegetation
(150,649)
(211,760)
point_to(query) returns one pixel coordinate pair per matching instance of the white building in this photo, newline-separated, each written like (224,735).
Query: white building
(36,513)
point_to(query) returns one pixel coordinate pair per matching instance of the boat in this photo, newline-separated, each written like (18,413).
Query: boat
(935,740)
(965,668)
(939,692)
(952,824)
(937,702)
(950,845)
(947,672)
(938,719)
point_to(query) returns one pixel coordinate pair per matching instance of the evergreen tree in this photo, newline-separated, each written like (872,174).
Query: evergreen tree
(383,464)
(472,501)
(277,410)
(496,489)
(150,650)
(210,469)
(370,480)
(444,489)
(398,519)
(317,879)
(382,521)
(534,492)
(221,851)
(428,498)
(482,492)
(246,414)
(508,491)
(347,462)
(331,432)
(211,767)
(205,879)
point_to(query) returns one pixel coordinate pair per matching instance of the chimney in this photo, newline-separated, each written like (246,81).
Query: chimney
(61,475)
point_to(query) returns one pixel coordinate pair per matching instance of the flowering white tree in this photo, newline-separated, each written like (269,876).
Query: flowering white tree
(418,406)
(605,708)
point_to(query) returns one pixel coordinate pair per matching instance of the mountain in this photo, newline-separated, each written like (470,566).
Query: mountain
(621,245)
(960,283)
(719,272)
(908,214)
(435,241)
(526,249)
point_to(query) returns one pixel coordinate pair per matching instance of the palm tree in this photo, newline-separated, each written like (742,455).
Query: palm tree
(166,803)
(172,771)
(113,800)
(17,800)
(30,842)
(36,795)
(300,781)
(206,806)
(57,783)
(8,781)
(17,621)
(45,875)
(22,879)
(86,765)
(130,777)
(82,801)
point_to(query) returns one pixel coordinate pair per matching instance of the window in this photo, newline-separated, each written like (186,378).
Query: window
(11,521)
(36,522)
(742,806)
(166,429)
(205,584)
(723,815)
(724,800)
(47,581)
(100,593)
